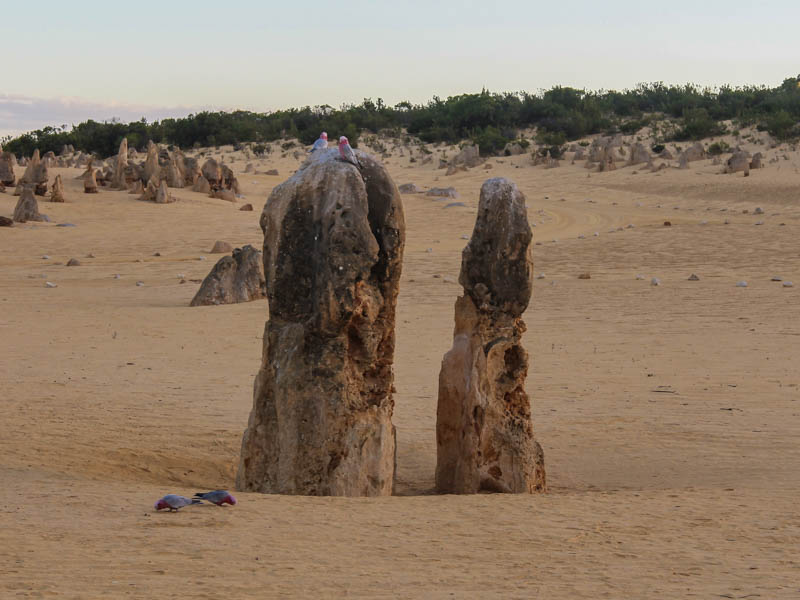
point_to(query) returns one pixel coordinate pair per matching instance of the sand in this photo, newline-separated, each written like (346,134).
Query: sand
(669,415)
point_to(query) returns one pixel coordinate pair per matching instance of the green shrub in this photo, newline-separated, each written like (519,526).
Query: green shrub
(718,148)
(657,148)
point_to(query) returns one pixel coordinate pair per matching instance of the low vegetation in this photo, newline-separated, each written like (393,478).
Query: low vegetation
(491,120)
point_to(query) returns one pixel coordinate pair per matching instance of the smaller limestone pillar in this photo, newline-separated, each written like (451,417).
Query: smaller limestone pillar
(484,433)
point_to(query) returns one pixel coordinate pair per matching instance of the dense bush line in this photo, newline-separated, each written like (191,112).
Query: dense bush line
(490,119)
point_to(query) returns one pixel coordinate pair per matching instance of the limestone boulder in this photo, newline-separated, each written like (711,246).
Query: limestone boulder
(7,176)
(151,166)
(469,157)
(695,152)
(757,162)
(212,171)
(321,422)
(201,185)
(739,161)
(484,431)
(89,180)
(236,278)
(162,194)
(118,180)
(36,174)
(57,191)
(639,155)
(27,208)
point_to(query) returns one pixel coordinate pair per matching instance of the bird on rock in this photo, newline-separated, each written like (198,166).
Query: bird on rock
(346,152)
(321,143)
(218,497)
(174,502)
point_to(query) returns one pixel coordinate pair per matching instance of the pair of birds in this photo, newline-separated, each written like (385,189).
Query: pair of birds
(345,151)
(174,502)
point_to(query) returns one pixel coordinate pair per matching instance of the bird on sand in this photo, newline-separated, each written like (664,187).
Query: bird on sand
(321,143)
(218,497)
(346,152)
(174,502)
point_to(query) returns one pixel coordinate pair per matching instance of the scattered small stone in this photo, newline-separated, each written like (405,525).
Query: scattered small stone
(540,276)
(50,284)
(759,222)
(655,281)
(639,276)
(117,276)
(454,204)
(464,237)
(6,222)
(629,226)
(777,278)
(73,262)
(201,258)
(667,224)
(693,277)
(429,250)
(437,276)
(90,255)
(65,225)
(596,234)
(581,237)
(247,207)
(157,254)
(741,284)
(139,283)
(181,276)
(703,222)
(585,276)
(727,222)
(45,257)
(788,284)
(758,211)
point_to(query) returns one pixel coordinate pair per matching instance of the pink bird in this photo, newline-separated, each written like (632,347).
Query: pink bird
(174,502)
(346,152)
(321,143)
(218,497)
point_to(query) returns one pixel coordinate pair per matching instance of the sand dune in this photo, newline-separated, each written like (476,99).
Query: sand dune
(669,415)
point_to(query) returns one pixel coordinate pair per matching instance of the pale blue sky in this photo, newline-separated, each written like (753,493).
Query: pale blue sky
(156,59)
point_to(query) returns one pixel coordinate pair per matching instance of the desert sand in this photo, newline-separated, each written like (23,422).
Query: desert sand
(669,415)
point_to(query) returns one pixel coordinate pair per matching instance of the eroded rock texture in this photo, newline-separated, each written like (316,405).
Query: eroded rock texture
(321,422)
(27,208)
(484,433)
(236,278)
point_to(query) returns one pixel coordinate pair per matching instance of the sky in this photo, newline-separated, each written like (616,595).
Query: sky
(149,59)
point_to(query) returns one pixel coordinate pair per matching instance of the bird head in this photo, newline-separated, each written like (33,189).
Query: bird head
(343,141)
(324,136)
(230,499)
(160,504)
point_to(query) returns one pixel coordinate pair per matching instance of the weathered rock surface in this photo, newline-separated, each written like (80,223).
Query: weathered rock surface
(27,208)
(234,279)
(7,176)
(36,174)
(151,167)
(484,433)
(409,188)
(57,191)
(6,222)
(201,185)
(221,247)
(739,161)
(118,178)
(162,194)
(639,154)
(322,409)
(89,180)
(468,157)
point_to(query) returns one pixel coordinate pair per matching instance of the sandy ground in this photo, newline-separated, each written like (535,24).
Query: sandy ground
(669,415)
